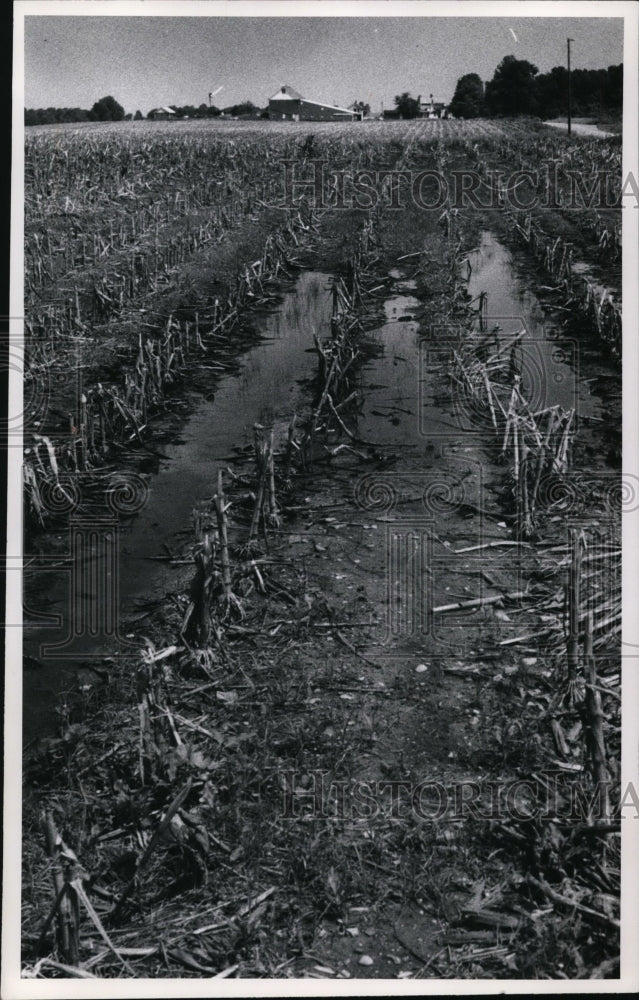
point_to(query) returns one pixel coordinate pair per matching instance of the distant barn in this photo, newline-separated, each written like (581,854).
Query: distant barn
(161,114)
(289,105)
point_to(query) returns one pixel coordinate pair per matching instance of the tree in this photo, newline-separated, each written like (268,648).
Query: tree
(138,116)
(187,110)
(613,87)
(551,90)
(468,100)
(407,106)
(244,108)
(512,88)
(107,109)
(593,90)
(49,116)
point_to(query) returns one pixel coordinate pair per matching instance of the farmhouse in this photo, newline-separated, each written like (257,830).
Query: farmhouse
(431,108)
(289,105)
(424,109)
(161,114)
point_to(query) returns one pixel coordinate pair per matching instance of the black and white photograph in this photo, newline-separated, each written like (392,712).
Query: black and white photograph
(323,500)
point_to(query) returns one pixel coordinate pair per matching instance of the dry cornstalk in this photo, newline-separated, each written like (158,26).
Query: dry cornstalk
(320,405)
(260,462)
(596,717)
(222,530)
(489,397)
(155,839)
(527,523)
(510,416)
(479,602)
(516,434)
(572,904)
(574,587)
(66,904)
(508,345)
(561,458)
(272,501)
(291,445)
(333,409)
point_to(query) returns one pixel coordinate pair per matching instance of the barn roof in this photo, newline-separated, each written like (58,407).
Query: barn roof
(329,107)
(166,111)
(286,93)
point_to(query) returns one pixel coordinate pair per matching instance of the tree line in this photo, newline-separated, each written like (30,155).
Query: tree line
(108,109)
(210,111)
(517,88)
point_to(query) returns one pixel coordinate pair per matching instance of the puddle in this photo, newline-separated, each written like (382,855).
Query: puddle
(399,409)
(586,271)
(390,413)
(549,374)
(442,468)
(550,361)
(267,388)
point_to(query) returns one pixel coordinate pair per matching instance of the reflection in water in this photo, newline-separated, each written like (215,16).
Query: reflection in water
(550,371)
(266,389)
(398,410)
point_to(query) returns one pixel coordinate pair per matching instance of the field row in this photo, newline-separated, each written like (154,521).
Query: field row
(208,710)
(115,217)
(229,129)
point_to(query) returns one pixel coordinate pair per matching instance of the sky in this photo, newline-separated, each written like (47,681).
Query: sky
(144,62)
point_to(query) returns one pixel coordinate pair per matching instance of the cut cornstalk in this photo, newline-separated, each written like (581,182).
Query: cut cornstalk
(66,902)
(478,602)
(222,529)
(272,500)
(596,717)
(574,587)
(260,462)
(489,397)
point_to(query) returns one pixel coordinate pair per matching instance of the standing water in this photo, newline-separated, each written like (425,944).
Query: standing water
(398,408)
(268,387)
(550,364)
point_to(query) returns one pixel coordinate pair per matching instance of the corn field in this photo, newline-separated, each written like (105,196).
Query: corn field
(153,254)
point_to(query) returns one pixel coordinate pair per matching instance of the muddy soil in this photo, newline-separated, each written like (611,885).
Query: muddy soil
(354,663)
(264,365)
(599,263)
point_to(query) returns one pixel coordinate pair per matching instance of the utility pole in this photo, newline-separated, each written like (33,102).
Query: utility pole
(569,40)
